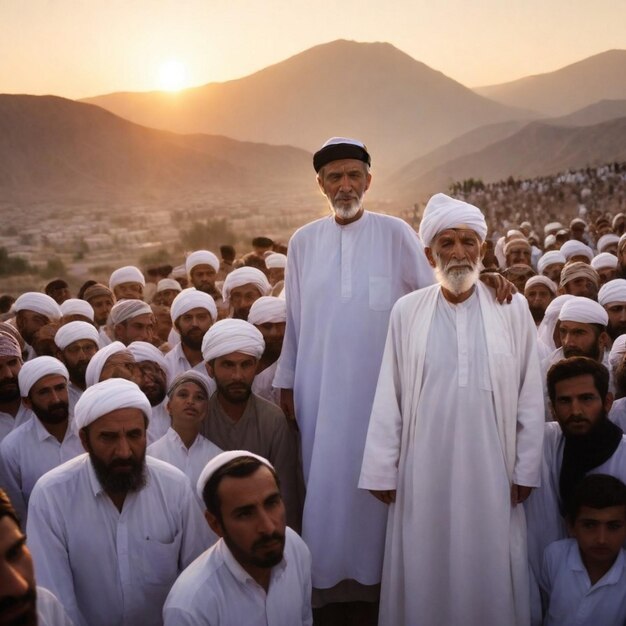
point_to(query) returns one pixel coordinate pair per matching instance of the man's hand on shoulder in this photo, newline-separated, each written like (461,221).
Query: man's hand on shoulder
(504,289)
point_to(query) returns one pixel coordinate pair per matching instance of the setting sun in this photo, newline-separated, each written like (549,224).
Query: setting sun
(172,76)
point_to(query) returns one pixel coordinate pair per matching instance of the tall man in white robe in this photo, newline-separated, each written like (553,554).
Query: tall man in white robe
(455,438)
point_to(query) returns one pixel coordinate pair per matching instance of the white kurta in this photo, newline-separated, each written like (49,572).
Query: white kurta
(177,363)
(341,283)
(73,393)
(159,423)
(26,454)
(457,418)
(262,385)
(216,590)
(8,422)
(108,567)
(50,611)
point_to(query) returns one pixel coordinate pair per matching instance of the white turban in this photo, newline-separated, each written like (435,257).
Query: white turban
(39,303)
(243,276)
(443,212)
(9,345)
(106,397)
(126,274)
(144,351)
(231,335)
(613,291)
(168,283)
(621,242)
(552,227)
(550,240)
(219,461)
(550,258)
(618,349)
(541,280)
(607,240)
(190,376)
(74,306)
(545,332)
(76,331)
(127,309)
(604,260)
(573,247)
(189,299)
(36,369)
(268,309)
(99,359)
(583,311)
(276,260)
(202,257)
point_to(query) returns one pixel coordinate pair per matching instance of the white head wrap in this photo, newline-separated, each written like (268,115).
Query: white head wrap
(541,280)
(618,350)
(583,311)
(106,397)
(574,247)
(550,258)
(243,276)
(190,376)
(202,257)
(144,351)
(552,227)
(607,240)
(179,272)
(517,241)
(443,212)
(39,303)
(126,274)
(168,283)
(189,299)
(36,369)
(613,291)
(219,461)
(76,331)
(98,361)
(550,240)
(621,242)
(127,309)
(74,306)
(275,260)
(268,309)
(604,260)
(545,332)
(231,335)
(9,345)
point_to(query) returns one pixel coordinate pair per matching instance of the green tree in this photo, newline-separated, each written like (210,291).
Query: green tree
(54,268)
(207,235)
(11,266)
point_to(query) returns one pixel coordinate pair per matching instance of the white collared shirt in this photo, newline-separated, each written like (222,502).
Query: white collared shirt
(159,422)
(27,453)
(216,590)
(177,363)
(106,566)
(8,422)
(49,610)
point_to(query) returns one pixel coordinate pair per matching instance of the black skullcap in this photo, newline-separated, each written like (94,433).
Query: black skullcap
(338,148)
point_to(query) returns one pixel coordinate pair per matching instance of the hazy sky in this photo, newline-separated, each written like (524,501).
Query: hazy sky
(79,48)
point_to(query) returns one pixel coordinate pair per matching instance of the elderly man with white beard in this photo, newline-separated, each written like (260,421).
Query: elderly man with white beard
(455,438)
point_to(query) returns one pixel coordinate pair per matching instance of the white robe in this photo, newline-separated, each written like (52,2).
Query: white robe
(341,283)
(456,420)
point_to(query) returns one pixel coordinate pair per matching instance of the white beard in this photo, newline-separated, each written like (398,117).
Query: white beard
(457,279)
(346,213)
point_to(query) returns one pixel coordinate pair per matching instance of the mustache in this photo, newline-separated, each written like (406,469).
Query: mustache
(11,602)
(268,539)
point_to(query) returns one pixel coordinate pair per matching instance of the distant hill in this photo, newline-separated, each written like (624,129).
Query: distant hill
(535,150)
(595,113)
(599,77)
(400,107)
(52,148)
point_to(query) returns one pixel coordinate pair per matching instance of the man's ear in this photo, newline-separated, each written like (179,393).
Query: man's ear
(608,402)
(430,257)
(214,523)
(82,433)
(27,403)
(209,370)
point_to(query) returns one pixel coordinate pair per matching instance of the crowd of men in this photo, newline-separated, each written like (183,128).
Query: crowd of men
(374,425)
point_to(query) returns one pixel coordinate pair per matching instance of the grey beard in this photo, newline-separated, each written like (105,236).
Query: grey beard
(457,280)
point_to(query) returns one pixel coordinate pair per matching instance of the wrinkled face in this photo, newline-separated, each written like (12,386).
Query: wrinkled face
(188,403)
(553,272)
(139,328)
(617,319)
(121,365)
(116,443)
(578,339)
(582,286)
(76,357)
(203,277)
(252,519)
(28,323)
(18,592)
(578,406)
(242,298)
(128,291)
(344,183)
(539,297)
(273,334)
(153,381)
(192,326)
(606,274)
(600,534)
(276,274)
(48,399)
(10,367)
(233,374)
(518,253)
(101,306)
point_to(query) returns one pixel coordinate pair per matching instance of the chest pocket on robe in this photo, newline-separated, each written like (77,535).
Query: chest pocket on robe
(160,560)
(380,293)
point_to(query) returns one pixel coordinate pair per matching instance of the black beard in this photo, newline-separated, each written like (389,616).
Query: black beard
(9,390)
(232,398)
(616,331)
(191,342)
(77,373)
(241,314)
(594,353)
(270,560)
(537,313)
(155,397)
(119,482)
(54,414)
(30,617)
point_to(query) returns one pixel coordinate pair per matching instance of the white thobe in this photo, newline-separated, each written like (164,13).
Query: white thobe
(105,339)
(27,453)
(8,422)
(159,422)
(617,414)
(456,420)
(177,363)
(341,283)
(73,393)
(106,566)
(262,385)
(50,611)
(573,600)
(216,590)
